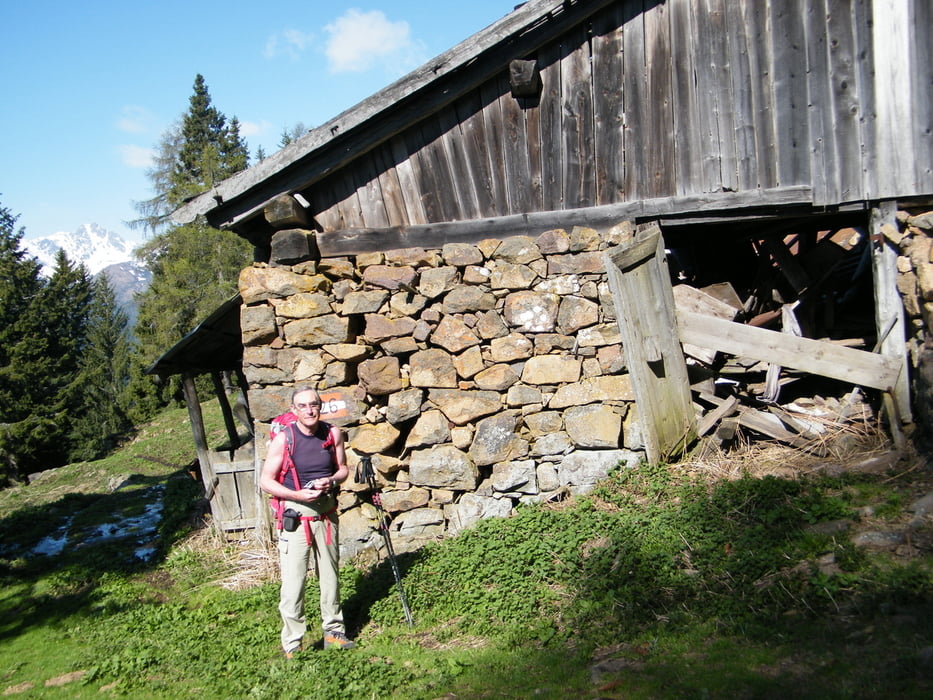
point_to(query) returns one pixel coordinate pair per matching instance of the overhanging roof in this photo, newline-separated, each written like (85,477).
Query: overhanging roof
(362,127)
(215,345)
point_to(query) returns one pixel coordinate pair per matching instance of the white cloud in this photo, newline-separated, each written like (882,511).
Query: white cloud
(137,156)
(134,119)
(254,128)
(359,41)
(290,42)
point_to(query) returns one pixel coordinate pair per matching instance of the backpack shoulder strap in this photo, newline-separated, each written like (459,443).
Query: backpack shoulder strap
(287,463)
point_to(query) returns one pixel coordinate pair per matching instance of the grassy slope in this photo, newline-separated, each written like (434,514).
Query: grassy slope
(656,586)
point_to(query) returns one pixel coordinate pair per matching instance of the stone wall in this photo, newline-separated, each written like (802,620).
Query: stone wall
(914,238)
(479,376)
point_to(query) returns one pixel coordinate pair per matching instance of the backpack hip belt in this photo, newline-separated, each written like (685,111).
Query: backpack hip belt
(306,520)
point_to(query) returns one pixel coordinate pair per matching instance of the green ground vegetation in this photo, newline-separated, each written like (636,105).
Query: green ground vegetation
(664,582)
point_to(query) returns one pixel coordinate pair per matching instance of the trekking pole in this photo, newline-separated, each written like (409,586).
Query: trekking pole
(365,473)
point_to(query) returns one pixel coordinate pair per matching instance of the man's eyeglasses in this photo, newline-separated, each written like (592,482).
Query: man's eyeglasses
(311,407)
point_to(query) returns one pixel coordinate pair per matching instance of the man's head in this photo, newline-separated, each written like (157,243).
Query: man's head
(306,404)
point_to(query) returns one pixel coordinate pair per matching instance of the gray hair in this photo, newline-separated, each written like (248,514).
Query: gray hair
(300,389)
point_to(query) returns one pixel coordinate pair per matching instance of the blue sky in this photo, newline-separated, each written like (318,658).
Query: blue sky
(89,87)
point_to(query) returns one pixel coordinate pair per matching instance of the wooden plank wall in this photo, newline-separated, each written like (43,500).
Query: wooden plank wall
(659,99)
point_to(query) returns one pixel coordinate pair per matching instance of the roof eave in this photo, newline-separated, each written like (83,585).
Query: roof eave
(230,193)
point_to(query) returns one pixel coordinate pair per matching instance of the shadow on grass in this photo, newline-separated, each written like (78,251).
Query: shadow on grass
(375,585)
(54,555)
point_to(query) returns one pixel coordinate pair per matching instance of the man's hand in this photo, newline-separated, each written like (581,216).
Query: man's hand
(307,495)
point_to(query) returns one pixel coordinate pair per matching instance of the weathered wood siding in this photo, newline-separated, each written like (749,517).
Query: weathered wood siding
(653,99)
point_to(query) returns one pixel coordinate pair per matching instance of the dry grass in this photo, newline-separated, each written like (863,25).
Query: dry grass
(239,563)
(840,446)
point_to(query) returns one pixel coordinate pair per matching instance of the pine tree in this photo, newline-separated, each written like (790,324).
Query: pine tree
(22,348)
(99,395)
(235,153)
(63,306)
(292,134)
(42,333)
(194,267)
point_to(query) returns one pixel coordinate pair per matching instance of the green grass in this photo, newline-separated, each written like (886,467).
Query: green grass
(655,586)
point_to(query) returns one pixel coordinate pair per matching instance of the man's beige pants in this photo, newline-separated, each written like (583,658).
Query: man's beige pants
(294,557)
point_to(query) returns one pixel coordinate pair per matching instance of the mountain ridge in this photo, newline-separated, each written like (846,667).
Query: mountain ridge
(102,252)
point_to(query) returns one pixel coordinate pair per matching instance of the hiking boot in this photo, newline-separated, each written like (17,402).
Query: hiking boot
(293,652)
(337,640)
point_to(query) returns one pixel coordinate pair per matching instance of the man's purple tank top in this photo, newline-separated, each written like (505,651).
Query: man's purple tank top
(311,458)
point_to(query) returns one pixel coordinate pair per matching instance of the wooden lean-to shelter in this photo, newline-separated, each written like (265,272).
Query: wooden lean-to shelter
(214,349)
(743,135)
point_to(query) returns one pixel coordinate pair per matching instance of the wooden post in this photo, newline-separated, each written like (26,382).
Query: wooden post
(889,316)
(644,301)
(232,433)
(200,436)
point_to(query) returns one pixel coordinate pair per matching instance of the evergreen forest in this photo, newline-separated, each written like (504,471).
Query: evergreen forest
(73,379)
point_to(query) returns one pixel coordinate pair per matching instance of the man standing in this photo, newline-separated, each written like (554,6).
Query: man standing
(304,468)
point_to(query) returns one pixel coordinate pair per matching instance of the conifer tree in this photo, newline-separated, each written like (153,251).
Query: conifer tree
(63,307)
(154,212)
(99,394)
(23,357)
(194,267)
(42,335)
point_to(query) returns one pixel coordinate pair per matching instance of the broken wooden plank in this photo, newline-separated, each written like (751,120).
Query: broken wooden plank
(787,263)
(773,427)
(726,431)
(724,409)
(640,283)
(812,356)
(692,299)
(799,425)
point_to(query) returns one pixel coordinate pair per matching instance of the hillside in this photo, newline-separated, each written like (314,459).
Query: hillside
(766,573)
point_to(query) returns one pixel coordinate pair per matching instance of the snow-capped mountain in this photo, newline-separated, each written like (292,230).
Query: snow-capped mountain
(90,244)
(102,252)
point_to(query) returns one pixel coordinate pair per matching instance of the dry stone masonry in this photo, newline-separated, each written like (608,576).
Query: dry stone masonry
(479,376)
(914,238)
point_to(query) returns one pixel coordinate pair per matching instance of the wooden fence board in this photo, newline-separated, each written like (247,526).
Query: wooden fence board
(722,95)
(492,114)
(788,72)
(742,86)
(658,88)
(893,101)
(821,140)
(756,20)
(515,150)
(473,135)
(552,188)
(705,66)
(845,99)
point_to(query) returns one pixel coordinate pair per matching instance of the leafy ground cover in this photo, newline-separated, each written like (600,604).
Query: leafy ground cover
(669,581)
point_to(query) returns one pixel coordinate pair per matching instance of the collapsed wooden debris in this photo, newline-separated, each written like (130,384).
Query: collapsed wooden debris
(746,346)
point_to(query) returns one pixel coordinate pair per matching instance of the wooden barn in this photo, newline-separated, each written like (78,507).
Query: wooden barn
(746,136)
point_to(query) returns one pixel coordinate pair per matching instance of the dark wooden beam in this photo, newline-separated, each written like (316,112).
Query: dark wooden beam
(200,436)
(355,241)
